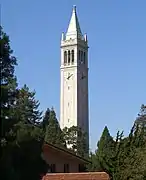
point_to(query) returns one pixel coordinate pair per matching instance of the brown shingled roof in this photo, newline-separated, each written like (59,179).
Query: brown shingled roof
(77,176)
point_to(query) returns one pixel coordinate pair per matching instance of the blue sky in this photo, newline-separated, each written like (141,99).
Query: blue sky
(117,55)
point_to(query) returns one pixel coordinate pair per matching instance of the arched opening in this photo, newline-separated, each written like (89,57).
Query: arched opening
(68,57)
(65,57)
(72,58)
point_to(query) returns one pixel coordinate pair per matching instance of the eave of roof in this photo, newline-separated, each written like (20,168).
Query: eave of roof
(65,150)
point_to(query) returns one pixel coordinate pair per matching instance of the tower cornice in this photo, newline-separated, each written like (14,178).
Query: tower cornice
(74,42)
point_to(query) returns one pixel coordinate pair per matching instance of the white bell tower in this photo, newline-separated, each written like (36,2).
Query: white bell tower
(74,77)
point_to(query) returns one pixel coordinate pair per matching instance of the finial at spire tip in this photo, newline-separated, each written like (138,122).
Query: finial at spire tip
(74,8)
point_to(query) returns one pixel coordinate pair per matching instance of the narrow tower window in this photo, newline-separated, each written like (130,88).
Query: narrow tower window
(65,57)
(84,57)
(81,56)
(72,52)
(68,57)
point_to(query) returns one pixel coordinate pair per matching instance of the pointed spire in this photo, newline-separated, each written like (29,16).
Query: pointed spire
(74,30)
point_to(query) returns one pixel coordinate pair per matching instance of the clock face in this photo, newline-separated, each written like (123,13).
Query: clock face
(68,77)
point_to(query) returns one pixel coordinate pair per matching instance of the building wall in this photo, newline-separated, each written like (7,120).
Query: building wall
(59,159)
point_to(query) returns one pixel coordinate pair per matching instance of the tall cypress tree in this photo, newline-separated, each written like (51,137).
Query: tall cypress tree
(105,141)
(54,135)
(46,118)
(106,150)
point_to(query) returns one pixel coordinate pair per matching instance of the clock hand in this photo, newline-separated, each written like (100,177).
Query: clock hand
(69,76)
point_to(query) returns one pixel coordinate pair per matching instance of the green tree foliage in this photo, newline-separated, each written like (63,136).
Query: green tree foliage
(141,119)
(76,140)
(21,139)
(28,136)
(45,121)
(25,149)
(23,158)
(122,158)
(106,151)
(95,163)
(131,156)
(26,107)
(8,93)
(8,85)
(54,135)
(105,143)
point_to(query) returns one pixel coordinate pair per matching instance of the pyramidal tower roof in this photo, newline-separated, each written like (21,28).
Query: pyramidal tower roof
(74,30)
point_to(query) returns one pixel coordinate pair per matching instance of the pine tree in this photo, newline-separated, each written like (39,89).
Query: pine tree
(54,135)
(141,119)
(8,88)
(106,141)
(130,163)
(28,137)
(106,151)
(45,121)
(122,158)
(19,138)
(27,151)
(26,108)
(8,85)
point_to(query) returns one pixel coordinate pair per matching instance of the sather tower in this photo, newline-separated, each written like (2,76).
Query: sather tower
(74,77)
